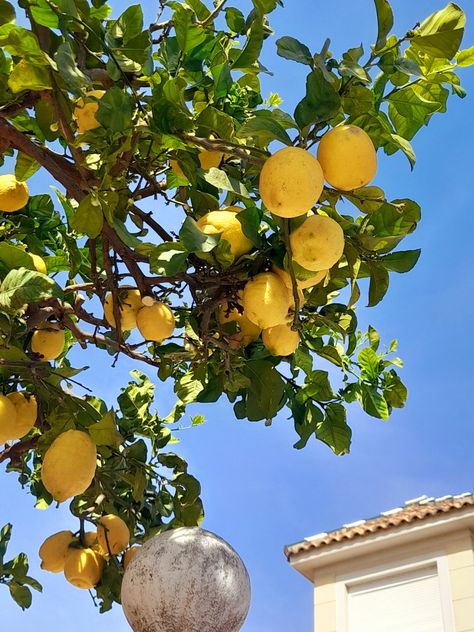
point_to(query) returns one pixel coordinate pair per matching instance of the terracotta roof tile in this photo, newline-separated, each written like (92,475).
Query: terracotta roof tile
(416,509)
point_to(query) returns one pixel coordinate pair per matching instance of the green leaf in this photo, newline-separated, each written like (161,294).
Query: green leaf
(44,15)
(334,431)
(168,259)
(222,181)
(194,240)
(235,20)
(321,103)
(373,402)
(28,76)
(115,110)
(357,100)
(401,261)
(411,107)
(384,20)
(250,219)
(369,363)
(188,387)
(25,167)
(406,147)
(7,12)
(318,386)
(367,199)
(21,42)
(330,353)
(306,424)
(5,535)
(395,392)
(72,75)
(13,257)
(253,47)
(379,282)
(265,395)
(265,129)
(20,594)
(104,432)
(291,48)
(465,57)
(440,35)
(88,218)
(189,35)
(22,287)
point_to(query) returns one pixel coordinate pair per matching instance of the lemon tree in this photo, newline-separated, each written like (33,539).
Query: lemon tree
(266,229)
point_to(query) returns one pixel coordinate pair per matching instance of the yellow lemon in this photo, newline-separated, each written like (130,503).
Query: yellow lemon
(90,538)
(291,182)
(69,465)
(129,555)
(25,418)
(86,110)
(39,263)
(8,417)
(176,169)
(209,159)
(302,285)
(226,224)
(156,322)
(54,550)
(113,534)
(13,194)
(266,300)
(348,157)
(130,302)
(248,331)
(281,340)
(48,342)
(83,568)
(318,243)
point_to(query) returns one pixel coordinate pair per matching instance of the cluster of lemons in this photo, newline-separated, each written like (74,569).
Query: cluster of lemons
(18,414)
(82,559)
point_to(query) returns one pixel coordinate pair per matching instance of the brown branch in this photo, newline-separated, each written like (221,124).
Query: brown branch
(228,147)
(153,224)
(28,100)
(17,450)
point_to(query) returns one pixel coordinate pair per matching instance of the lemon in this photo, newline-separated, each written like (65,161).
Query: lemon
(48,342)
(226,224)
(209,159)
(130,302)
(291,182)
(248,331)
(113,534)
(266,300)
(318,243)
(348,157)
(8,417)
(281,340)
(176,169)
(39,263)
(86,110)
(129,555)
(24,419)
(90,538)
(156,322)
(69,465)
(83,568)
(302,285)
(54,550)
(13,194)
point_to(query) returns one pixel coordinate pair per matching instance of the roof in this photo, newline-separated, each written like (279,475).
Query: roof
(416,509)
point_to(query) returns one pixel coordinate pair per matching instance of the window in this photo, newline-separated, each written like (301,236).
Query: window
(403,602)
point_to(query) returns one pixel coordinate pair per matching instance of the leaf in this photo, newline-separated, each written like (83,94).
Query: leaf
(115,110)
(367,199)
(104,432)
(72,75)
(235,20)
(250,219)
(5,535)
(306,424)
(465,57)
(222,181)
(25,167)
(395,392)
(330,353)
(88,218)
(28,76)
(291,48)
(20,594)
(373,402)
(401,261)
(357,100)
(188,387)
(252,48)
(44,15)
(194,240)
(379,282)
(7,12)
(440,35)
(384,20)
(369,363)
(14,257)
(318,387)
(168,259)
(21,287)
(411,107)
(321,103)
(265,395)
(406,147)
(265,129)
(334,431)
(189,35)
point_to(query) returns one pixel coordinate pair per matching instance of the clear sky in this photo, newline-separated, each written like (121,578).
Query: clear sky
(260,493)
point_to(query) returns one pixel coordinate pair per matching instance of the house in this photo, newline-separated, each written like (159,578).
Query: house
(410,569)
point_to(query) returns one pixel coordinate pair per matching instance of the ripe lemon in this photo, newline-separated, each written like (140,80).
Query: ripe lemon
(291,182)
(130,302)
(113,534)
(209,159)
(83,568)
(318,243)
(129,555)
(48,342)
(39,263)
(176,169)
(8,417)
(228,226)
(348,157)
(156,322)
(281,340)
(13,193)
(86,110)
(54,550)
(302,285)
(69,465)
(248,331)
(266,300)
(25,418)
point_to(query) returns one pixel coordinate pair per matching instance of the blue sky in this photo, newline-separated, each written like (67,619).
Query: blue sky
(260,493)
